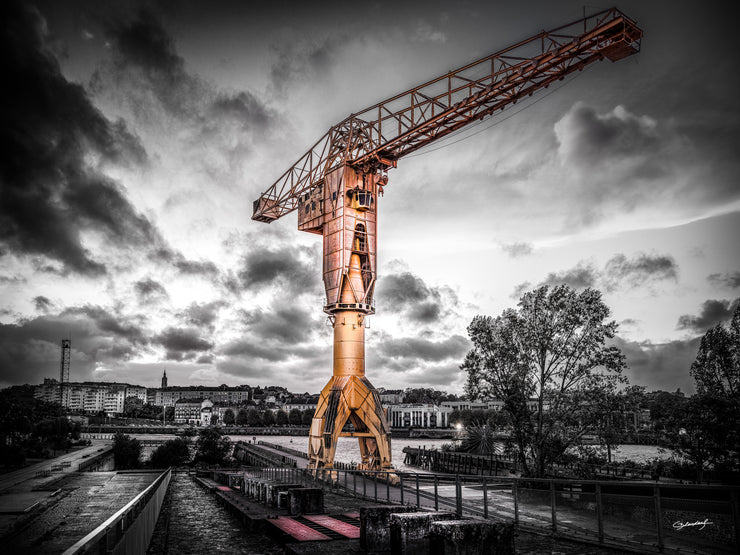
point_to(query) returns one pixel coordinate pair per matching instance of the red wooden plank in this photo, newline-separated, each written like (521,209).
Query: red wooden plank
(347,530)
(296,530)
(224,488)
(355,514)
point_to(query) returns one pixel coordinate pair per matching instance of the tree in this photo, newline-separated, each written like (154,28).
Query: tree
(253,417)
(229,418)
(307,417)
(708,433)
(242,417)
(294,417)
(268,418)
(175,452)
(547,361)
(212,447)
(281,419)
(126,451)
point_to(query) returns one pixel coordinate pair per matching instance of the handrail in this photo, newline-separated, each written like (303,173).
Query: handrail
(94,537)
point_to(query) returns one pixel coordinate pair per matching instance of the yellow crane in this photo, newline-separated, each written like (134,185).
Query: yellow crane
(334,187)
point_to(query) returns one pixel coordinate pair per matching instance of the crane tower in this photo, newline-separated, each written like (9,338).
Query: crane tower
(335,186)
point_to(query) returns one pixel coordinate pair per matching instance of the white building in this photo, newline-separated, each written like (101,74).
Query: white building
(419,416)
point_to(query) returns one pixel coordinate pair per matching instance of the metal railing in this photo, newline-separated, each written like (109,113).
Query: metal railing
(130,529)
(639,516)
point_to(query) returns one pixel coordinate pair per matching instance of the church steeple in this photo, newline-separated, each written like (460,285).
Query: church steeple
(164,379)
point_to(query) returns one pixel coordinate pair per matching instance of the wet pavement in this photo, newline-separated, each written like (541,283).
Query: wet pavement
(192,521)
(79,503)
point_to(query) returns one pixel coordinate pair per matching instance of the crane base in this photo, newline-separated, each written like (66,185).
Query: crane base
(350,399)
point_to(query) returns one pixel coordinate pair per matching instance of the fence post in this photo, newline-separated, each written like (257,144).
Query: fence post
(388,487)
(436,497)
(354,483)
(553,511)
(599,513)
(515,495)
(375,484)
(735,516)
(418,502)
(658,517)
(485,499)
(400,479)
(458,496)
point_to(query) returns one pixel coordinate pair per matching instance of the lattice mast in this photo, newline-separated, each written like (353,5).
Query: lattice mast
(64,372)
(335,187)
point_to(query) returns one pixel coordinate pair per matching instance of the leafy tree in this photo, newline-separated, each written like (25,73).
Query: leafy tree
(294,417)
(253,417)
(708,434)
(175,452)
(666,409)
(126,451)
(242,417)
(281,419)
(307,417)
(212,447)
(552,351)
(268,418)
(229,418)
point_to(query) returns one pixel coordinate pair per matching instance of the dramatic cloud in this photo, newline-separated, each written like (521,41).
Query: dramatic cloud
(619,272)
(407,294)
(203,315)
(580,277)
(42,304)
(182,343)
(655,365)
(291,268)
(713,312)
(54,140)
(148,291)
(587,138)
(731,280)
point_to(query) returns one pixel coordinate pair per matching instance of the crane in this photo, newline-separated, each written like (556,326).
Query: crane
(334,187)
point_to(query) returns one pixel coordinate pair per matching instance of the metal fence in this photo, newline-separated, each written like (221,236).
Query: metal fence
(130,529)
(639,516)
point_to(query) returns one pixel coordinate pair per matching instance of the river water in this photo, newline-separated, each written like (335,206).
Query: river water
(348,450)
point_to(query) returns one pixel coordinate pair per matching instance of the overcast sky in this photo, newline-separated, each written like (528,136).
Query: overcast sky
(137,134)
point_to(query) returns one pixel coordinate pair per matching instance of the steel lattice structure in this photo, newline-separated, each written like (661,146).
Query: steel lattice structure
(335,185)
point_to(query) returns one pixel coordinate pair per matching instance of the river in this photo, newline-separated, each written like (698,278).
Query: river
(348,450)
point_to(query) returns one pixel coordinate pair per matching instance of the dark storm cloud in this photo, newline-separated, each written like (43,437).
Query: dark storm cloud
(146,52)
(640,269)
(42,304)
(203,314)
(588,138)
(30,348)
(281,324)
(182,343)
(292,268)
(51,133)
(517,250)
(149,290)
(713,312)
(619,272)
(131,328)
(730,280)
(299,61)
(579,277)
(409,295)
(660,365)
(423,349)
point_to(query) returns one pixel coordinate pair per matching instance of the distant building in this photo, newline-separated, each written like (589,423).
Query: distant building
(419,416)
(164,379)
(391,396)
(194,411)
(90,397)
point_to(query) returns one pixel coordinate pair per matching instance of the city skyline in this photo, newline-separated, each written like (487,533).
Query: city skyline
(142,133)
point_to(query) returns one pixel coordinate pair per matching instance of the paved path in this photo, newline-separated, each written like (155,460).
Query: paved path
(64,463)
